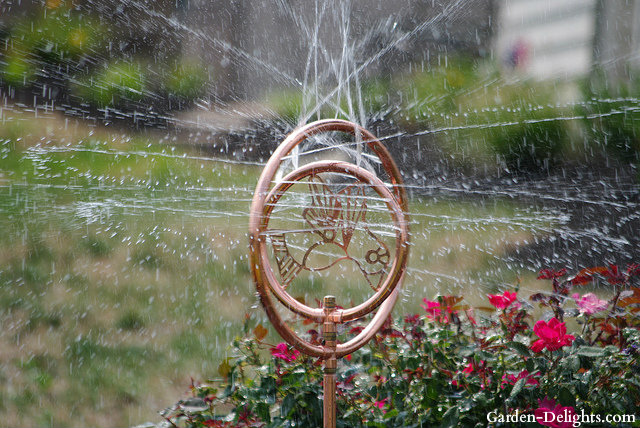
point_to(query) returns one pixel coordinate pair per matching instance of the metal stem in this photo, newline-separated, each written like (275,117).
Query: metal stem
(329,332)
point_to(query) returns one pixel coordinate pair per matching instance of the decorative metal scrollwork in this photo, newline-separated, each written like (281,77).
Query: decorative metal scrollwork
(331,218)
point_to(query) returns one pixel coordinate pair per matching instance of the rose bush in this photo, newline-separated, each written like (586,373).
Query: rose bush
(449,366)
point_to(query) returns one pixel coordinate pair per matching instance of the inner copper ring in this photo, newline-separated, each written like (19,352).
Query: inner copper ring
(397,214)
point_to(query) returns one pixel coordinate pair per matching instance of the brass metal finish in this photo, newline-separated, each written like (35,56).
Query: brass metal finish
(330,219)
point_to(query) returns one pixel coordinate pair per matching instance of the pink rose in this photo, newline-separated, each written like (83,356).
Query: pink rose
(589,303)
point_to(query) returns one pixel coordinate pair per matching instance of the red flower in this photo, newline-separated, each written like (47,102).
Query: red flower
(482,371)
(356,330)
(554,415)
(524,374)
(502,301)
(553,335)
(381,404)
(633,269)
(480,368)
(551,274)
(282,352)
(431,307)
(435,309)
(412,319)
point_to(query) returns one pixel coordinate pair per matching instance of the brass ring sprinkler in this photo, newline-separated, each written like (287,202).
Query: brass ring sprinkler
(327,213)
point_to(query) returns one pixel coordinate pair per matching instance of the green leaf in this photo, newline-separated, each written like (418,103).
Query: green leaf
(288,404)
(391,414)
(451,417)
(398,398)
(571,363)
(413,363)
(590,351)
(530,365)
(268,385)
(262,409)
(566,397)
(480,399)
(517,388)
(483,355)
(467,351)
(433,392)
(520,348)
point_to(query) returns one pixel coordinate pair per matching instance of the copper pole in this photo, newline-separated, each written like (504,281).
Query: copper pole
(267,194)
(329,333)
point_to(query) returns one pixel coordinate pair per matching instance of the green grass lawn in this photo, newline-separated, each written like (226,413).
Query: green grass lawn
(123,268)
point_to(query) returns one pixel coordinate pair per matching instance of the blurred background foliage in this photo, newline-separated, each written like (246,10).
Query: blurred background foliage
(67,53)
(612,114)
(479,115)
(478,110)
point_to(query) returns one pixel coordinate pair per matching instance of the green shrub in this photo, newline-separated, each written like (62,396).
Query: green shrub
(448,367)
(430,95)
(527,139)
(18,69)
(612,117)
(286,104)
(377,96)
(476,115)
(115,84)
(187,80)
(58,37)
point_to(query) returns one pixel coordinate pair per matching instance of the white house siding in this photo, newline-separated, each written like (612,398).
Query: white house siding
(555,37)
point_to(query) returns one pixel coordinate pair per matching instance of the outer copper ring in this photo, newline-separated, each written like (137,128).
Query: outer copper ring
(262,273)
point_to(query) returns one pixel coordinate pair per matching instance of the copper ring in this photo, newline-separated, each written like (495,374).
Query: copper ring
(263,275)
(402,233)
